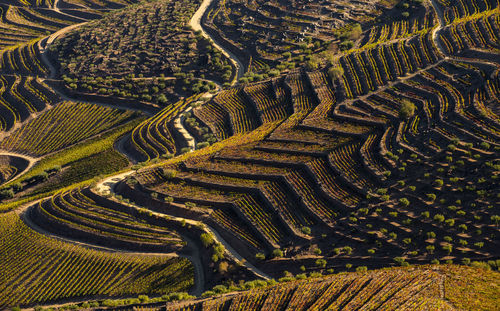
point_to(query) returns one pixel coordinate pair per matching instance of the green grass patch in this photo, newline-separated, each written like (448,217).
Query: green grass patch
(83,162)
(102,163)
(83,150)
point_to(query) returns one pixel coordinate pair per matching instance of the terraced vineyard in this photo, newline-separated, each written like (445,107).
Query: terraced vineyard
(70,211)
(24,25)
(350,155)
(25,21)
(347,136)
(154,137)
(265,34)
(49,132)
(392,289)
(394,160)
(21,98)
(37,269)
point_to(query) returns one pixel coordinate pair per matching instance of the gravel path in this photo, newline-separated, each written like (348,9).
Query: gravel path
(195,23)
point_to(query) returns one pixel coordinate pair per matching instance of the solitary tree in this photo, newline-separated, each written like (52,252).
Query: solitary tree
(336,72)
(277,252)
(407,110)
(430,248)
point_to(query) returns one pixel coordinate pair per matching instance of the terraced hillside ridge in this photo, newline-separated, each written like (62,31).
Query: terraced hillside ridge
(36,269)
(157,137)
(265,34)
(144,53)
(426,288)
(25,21)
(64,125)
(388,157)
(23,30)
(22,98)
(364,135)
(454,10)
(76,212)
(33,122)
(97,219)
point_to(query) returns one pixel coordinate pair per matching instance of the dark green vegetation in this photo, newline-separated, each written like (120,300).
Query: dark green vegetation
(380,150)
(146,52)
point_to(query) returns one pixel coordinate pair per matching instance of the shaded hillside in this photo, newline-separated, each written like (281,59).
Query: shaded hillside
(393,160)
(287,34)
(146,52)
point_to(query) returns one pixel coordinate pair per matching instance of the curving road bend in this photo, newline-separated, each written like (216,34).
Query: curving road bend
(31,162)
(179,122)
(56,8)
(179,126)
(107,185)
(195,23)
(438,29)
(50,39)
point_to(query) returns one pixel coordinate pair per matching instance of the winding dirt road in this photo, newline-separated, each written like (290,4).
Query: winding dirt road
(31,162)
(107,185)
(179,121)
(438,29)
(195,23)
(56,8)
(179,126)
(198,288)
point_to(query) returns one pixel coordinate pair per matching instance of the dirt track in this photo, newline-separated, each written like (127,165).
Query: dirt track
(196,25)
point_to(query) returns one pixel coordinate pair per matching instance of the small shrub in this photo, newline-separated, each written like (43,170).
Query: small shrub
(439,217)
(306,230)
(277,253)
(321,263)
(404,201)
(169,173)
(407,110)
(206,239)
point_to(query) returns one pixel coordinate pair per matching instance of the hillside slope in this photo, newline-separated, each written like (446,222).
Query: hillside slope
(425,288)
(146,52)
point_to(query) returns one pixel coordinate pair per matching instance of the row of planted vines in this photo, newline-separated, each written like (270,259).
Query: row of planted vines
(37,269)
